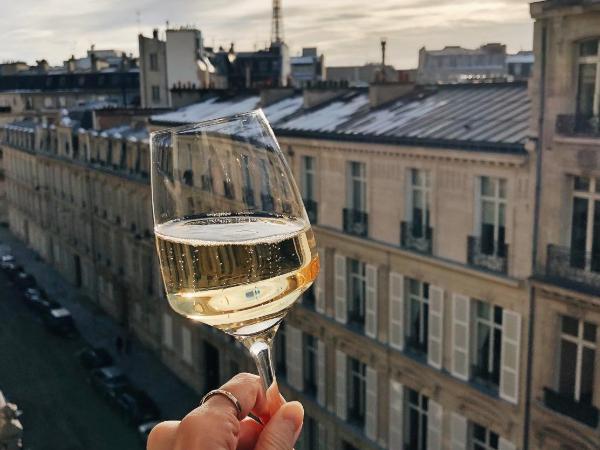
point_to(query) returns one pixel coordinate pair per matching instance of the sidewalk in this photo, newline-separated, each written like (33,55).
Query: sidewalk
(143,367)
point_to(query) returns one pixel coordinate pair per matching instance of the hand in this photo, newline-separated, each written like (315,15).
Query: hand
(215,425)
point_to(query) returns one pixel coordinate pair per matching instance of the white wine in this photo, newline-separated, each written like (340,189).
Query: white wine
(239,274)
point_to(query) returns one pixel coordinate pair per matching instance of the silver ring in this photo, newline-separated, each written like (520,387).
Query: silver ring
(232,398)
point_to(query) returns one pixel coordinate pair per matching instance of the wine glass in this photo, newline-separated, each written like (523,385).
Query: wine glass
(235,245)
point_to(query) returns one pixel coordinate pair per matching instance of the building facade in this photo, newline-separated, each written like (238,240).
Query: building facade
(308,68)
(154,87)
(565,395)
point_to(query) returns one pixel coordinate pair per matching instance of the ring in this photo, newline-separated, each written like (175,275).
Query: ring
(232,398)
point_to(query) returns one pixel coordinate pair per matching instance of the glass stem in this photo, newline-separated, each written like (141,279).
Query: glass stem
(259,346)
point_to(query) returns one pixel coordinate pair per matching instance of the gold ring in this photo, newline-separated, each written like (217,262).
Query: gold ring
(227,395)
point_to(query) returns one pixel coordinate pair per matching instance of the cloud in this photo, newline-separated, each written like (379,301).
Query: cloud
(346,30)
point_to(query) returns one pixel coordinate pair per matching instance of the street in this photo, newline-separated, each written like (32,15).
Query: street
(41,373)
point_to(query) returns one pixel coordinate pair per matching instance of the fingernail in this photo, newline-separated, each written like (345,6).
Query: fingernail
(293,414)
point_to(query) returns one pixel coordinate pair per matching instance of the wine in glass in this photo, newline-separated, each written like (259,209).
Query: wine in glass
(235,245)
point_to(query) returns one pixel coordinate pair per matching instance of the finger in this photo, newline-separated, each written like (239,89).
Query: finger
(215,424)
(274,399)
(283,429)
(162,436)
(249,431)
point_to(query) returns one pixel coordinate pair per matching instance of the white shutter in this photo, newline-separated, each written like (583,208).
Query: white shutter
(434,426)
(509,362)
(506,445)
(396,311)
(460,336)
(293,355)
(458,427)
(341,308)
(371,302)
(320,284)
(321,374)
(371,406)
(167,330)
(322,443)
(408,197)
(340,385)
(477,208)
(396,426)
(186,345)
(436,327)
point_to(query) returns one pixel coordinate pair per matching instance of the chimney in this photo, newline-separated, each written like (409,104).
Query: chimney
(382,93)
(268,96)
(70,64)
(42,65)
(155,34)
(93,60)
(323,91)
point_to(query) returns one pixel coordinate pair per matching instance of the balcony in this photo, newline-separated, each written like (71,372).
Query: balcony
(311,210)
(579,126)
(488,256)
(356,222)
(415,238)
(581,412)
(573,268)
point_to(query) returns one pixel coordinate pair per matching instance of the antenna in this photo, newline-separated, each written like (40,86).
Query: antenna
(277,23)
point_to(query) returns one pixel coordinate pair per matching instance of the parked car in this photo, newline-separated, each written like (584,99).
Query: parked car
(144,430)
(135,404)
(24,280)
(94,358)
(59,321)
(107,380)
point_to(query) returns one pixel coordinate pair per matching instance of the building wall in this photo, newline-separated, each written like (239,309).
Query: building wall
(560,288)
(183,50)
(153,78)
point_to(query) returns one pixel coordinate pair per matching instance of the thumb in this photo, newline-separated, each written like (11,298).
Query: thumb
(283,429)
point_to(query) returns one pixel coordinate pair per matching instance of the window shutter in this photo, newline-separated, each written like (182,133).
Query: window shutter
(322,445)
(408,211)
(371,302)
(320,284)
(509,362)
(460,336)
(458,427)
(186,345)
(341,309)
(340,385)
(477,208)
(506,445)
(436,327)
(396,311)
(293,355)
(167,330)
(371,406)
(321,374)
(434,426)
(396,426)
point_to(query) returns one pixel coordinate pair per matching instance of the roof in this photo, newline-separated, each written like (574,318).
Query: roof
(490,116)
(521,57)
(487,116)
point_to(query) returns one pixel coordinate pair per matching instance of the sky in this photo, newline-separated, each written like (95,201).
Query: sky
(347,31)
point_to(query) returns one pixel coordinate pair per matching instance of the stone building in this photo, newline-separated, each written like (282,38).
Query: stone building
(154,87)
(565,392)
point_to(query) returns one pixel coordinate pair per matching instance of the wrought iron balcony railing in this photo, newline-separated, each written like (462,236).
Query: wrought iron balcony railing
(577,125)
(582,412)
(492,257)
(413,237)
(568,266)
(311,210)
(356,222)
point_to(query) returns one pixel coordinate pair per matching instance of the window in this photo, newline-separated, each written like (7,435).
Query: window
(310,434)
(488,342)
(280,357)
(309,363)
(357,281)
(153,61)
(416,436)
(483,439)
(577,359)
(492,219)
(418,315)
(588,79)
(357,186)
(207,179)
(308,177)
(419,198)
(357,381)
(585,224)
(247,181)
(155,93)
(265,186)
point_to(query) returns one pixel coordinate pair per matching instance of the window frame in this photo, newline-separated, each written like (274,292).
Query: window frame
(356,273)
(310,358)
(588,59)
(592,197)
(422,299)
(498,199)
(421,409)
(492,327)
(354,180)
(308,176)
(357,373)
(424,188)
(485,445)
